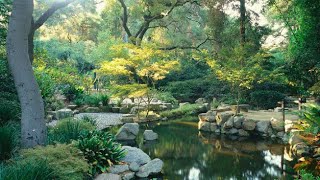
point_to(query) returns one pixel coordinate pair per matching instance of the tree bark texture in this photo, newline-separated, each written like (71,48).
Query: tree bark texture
(33,127)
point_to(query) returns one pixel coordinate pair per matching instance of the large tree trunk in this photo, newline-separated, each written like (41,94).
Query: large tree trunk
(33,127)
(243,21)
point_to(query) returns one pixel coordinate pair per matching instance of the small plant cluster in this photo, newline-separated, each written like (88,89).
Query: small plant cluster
(100,150)
(185,110)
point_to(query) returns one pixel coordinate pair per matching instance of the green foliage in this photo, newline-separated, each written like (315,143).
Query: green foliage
(9,110)
(66,161)
(185,110)
(36,169)
(5,9)
(307,176)
(166,97)
(100,150)
(71,92)
(46,84)
(67,130)
(311,114)
(89,119)
(95,99)
(266,99)
(9,140)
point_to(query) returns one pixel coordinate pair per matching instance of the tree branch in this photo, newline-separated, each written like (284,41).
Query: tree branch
(186,47)
(125,18)
(45,16)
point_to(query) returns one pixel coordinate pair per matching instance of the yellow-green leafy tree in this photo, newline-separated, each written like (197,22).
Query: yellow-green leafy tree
(135,71)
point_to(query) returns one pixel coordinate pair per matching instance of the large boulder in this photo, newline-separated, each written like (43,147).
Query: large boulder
(263,126)
(237,121)
(149,135)
(108,176)
(248,125)
(203,117)
(213,127)
(152,167)
(135,155)
(134,167)
(228,124)
(243,133)
(204,126)
(277,124)
(301,149)
(128,131)
(128,175)
(232,131)
(201,101)
(64,113)
(222,117)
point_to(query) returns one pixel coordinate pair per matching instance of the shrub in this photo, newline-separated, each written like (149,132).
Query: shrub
(67,130)
(27,169)
(46,84)
(307,176)
(185,110)
(71,92)
(66,161)
(9,140)
(311,114)
(166,97)
(90,120)
(100,150)
(266,99)
(9,110)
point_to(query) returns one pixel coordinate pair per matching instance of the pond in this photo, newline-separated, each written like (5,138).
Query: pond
(188,155)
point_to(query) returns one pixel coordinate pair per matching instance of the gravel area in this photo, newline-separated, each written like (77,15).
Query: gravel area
(103,119)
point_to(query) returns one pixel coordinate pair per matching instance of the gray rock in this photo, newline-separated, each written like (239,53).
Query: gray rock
(108,176)
(128,175)
(228,124)
(263,126)
(64,113)
(222,117)
(211,116)
(128,118)
(117,169)
(243,133)
(248,125)
(149,135)
(204,126)
(128,131)
(217,131)
(203,117)
(134,167)
(135,155)
(295,138)
(277,124)
(76,112)
(213,127)
(152,167)
(72,106)
(232,131)
(201,101)
(237,121)
(127,101)
(280,134)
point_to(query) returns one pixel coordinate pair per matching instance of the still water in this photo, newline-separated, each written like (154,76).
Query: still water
(188,155)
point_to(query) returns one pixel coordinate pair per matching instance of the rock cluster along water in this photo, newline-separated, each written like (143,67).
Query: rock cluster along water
(136,163)
(228,123)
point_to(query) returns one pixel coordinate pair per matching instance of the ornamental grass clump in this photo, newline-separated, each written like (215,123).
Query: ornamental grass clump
(100,150)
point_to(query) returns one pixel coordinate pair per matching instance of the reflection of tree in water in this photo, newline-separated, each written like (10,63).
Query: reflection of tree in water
(182,150)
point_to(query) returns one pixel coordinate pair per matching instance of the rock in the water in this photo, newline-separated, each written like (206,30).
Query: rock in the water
(277,124)
(108,176)
(149,135)
(213,127)
(152,167)
(134,167)
(117,169)
(222,117)
(204,126)
(237,121)
(228,124)
(128,175)
(64,113)
(232,131)
(135,155)
(243,133)
(263,126)
(128,131)
(248,125)
(211,116)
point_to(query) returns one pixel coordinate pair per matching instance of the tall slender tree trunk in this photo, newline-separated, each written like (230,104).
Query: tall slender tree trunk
(243,21)
(33,127)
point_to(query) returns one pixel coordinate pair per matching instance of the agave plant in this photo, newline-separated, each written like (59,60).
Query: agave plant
(100,150)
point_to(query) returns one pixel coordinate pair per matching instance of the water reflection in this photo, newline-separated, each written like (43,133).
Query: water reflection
(190,156)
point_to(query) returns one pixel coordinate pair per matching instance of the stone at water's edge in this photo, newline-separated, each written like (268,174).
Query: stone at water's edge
(228,124)
(149,135)
(248,125)
(135,155)
(237,121)
(301,149)
(277,124)
(243,133)
(263,126)
(204,126)
(64,113)
(222,117)
(108,176)
(152,167)
(128,131)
